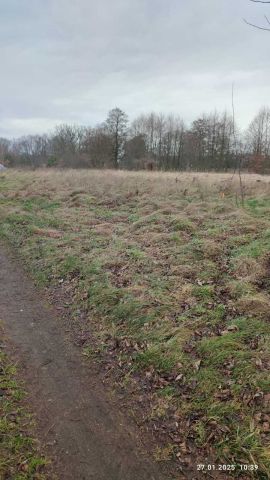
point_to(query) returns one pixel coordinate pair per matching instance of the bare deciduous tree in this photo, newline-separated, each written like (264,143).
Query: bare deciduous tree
(211,140)
(116,126)
(4,148)
(258,134)
(67,143)
(164,138)
(98,147)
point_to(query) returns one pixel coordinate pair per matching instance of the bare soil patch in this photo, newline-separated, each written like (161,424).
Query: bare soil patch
(81,428)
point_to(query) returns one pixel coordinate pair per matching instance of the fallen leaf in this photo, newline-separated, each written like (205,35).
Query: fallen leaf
(259,363)
(266,427)
(232,328)
(24,467)
(197,365)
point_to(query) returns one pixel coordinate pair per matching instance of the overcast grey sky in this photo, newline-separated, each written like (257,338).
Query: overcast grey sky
(71,61)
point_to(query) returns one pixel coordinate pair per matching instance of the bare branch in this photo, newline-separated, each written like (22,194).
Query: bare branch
(256,26)
(267,19)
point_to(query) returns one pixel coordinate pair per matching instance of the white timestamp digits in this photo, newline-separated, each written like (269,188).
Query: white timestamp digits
(203,467)
(227,468)
(248,468)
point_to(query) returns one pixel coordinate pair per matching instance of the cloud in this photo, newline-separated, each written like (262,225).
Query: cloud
(64,61)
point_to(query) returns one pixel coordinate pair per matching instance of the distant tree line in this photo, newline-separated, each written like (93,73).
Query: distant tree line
(152,141)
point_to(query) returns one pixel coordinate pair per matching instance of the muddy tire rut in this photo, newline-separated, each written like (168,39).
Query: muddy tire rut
(78,423)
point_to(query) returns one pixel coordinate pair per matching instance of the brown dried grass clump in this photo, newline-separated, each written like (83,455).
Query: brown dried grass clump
(184,294)
(105,229)
(257,305)
(212,249)
(47,232)
(237,289)
(185,272)
(247,268)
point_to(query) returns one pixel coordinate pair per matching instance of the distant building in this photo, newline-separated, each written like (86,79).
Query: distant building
(2,168)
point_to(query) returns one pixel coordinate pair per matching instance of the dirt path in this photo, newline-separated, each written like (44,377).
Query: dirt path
(78,423)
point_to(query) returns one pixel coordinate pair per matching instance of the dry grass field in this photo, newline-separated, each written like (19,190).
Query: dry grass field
(171,275)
